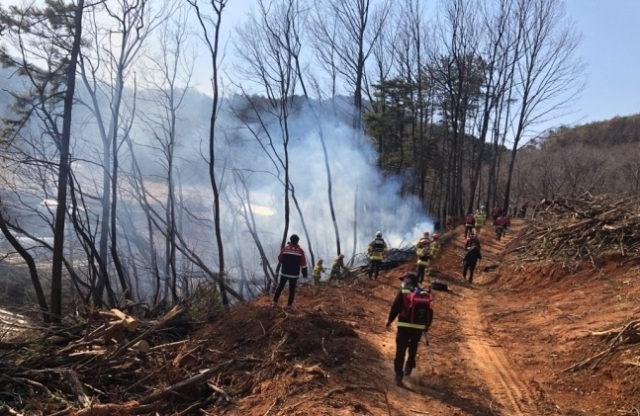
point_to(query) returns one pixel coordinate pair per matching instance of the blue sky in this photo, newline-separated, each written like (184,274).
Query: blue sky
(611,49)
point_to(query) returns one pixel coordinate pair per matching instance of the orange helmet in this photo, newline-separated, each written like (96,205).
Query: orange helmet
(424,242)
(426,234)
(436,236)
(320,261)
(341,256)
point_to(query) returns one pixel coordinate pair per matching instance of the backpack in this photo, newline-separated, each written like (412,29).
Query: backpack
(470,219)
(419,309)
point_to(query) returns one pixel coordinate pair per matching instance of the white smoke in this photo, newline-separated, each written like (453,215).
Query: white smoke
(380,206)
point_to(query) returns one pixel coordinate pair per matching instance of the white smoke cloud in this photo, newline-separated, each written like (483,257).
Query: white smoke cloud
(380,205)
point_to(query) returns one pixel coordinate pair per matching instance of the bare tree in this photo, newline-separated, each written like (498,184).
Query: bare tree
(212,41)
(270,66)
(348,30)
(169,79)
(549,74)
(105,69)
(456,71)
(37,28)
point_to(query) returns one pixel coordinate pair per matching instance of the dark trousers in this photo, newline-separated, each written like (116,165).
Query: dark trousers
(467,230)
(406,339)
(374,268)
(420,273)
(292,289)
(470,267)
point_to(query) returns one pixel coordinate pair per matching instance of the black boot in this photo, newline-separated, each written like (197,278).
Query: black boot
(398,380)
(407,371)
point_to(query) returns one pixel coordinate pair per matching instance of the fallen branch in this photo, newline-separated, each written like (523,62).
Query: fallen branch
(202,377)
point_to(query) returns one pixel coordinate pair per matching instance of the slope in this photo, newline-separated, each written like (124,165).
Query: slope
(332,355)
(500,348)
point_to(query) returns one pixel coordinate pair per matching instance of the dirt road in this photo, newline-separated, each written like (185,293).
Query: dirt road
(486,363)
(494,343)
(508,391)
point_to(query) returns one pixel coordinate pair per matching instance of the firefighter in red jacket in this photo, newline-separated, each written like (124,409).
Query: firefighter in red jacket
(472,241)
(292,261)
(411,325)
(469,224)
(502,223)
(496,213)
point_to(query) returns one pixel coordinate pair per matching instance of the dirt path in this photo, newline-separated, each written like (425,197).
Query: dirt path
(508,392)
(474,374)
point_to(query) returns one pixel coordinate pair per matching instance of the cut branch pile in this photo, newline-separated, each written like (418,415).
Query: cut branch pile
(115,364)
(614,340)
(572,230)
(396,257)
(103,365)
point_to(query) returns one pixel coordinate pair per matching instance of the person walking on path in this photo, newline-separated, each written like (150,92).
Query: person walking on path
(470,262)
(469,224)
(414,309)
(472,241)
(292,261)
(481,218)
(497,212)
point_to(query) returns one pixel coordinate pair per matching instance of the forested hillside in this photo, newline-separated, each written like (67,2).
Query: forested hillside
(604,134)
(599,157)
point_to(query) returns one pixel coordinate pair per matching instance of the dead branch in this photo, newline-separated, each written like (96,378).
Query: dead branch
(202,377)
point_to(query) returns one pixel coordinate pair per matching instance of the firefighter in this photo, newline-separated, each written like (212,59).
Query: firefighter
(435,246)
(414,309)
(523,210)
(469,223)
(502,223)
(317,272)
(496,213)
(337,267)
(377,252)
(480,219)
(423,252)
(470,261)
(472,241)
(292,261)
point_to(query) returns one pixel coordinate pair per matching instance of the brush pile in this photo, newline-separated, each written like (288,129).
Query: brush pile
(613,339)
(115,364)
(107,356)
(571,230)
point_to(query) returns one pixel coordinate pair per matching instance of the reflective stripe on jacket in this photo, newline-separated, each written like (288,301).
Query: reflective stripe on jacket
(435,249)
(377,249)
(399,309)
(293,261)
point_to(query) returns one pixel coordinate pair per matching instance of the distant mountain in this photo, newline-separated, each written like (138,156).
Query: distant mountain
(614,132)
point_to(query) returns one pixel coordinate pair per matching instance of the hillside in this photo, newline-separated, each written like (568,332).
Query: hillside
(501,347)
(616,131)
